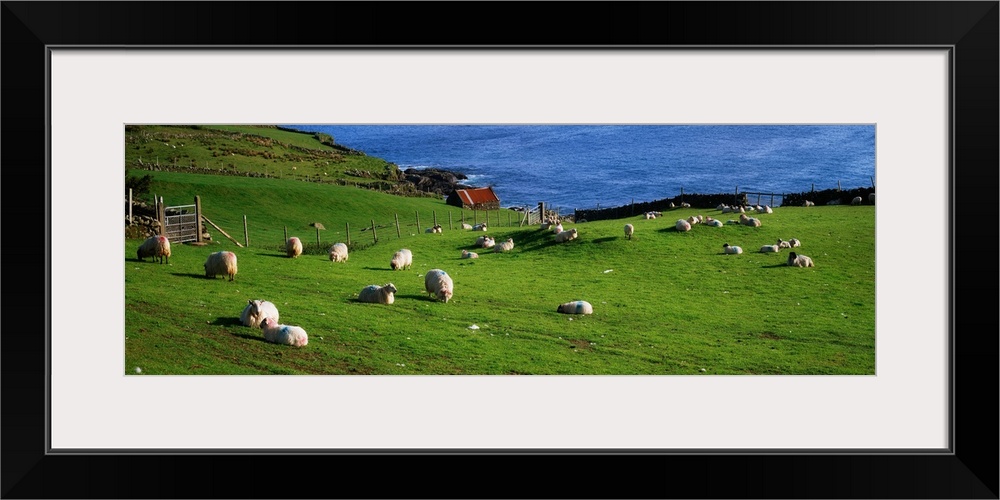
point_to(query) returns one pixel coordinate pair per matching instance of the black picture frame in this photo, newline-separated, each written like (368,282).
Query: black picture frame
(970,28)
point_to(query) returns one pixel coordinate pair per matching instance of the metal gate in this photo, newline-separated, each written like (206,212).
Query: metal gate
(181,223)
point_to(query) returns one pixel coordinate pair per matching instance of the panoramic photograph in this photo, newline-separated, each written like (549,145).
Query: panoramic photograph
(499,249)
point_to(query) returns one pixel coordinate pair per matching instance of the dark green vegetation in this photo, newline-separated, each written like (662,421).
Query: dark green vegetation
(664,302)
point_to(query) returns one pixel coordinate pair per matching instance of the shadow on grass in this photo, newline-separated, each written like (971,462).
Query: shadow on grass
(249,336)
(228,322)
(201,276)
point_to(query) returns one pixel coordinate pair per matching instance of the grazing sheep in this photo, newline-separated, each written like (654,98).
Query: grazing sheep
(257,311)
(155,247)
(439,284)
(794,242)
(378,294)
(576,307)
(469,255)
(682,225)
(871,198)
(222,262)
(466,226)
(784,244)
(629,229)
(505,246)
(856,200)
(338,252)
(731,249)
(479,227)
(293,247)
(799,260)
(402,259)
(283,334)
(566,236)
(546,224)
(770,249)
(808,203)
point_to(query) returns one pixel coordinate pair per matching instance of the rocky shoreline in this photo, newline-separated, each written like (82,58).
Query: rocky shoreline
(435,180)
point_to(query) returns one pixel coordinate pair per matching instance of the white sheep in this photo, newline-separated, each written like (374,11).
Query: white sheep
(378,294)
(438,284)
(479,227)
(693,220)
(731,249)
(856,200)
(437,228)
(685,205)
(485,241)
(557,228)
(338,252)
(283,334)
(649,215)
(505,246)
(722,206)
(799,260)
(794,242)
(469,255)
(157,247)
(402,259)
(749,221)
(545,224)
(576,307)
(565,236)
(682,225)
(770,249)
(783,244)
(768,209)
(808,203)
(257,311)
(713,222)
(466,226)
(629,229)
(221,262)
(293,247)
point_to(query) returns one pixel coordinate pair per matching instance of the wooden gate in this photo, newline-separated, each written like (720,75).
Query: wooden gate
(181,223)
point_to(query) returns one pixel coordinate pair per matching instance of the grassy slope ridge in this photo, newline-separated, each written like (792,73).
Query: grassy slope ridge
(665,302)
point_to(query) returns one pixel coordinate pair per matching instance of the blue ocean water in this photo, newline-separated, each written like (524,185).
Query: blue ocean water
(586,166)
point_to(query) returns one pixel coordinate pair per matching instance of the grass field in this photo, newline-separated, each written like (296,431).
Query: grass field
(665,302)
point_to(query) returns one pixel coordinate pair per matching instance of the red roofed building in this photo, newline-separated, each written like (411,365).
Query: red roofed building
(475,198)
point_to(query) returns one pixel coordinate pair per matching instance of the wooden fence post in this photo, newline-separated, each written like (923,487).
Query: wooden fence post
(838,185)
(317,237)
(434,215)
(449,220)
(374,234)
(417,214)
(197,215)
(873,181)
(246,234)
(286,234)
(508,218)
(130,206)
(348,225)
(396,216)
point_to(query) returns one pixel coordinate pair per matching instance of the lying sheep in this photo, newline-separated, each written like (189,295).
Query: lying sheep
(749,221)
(565,236)
(856,200)
(783,244)
(338,252)
(155,247)
(546,224)
(283,334)
(799,260)
(794,242)
(485,241)
(402,259)
(435,229)
(685,205)
(556,229)
(378,294)
(222,262)
(257,311)
(576,307)
(479,227)
(439,284)
(764,210)
(649,215)
(722,206)
(629,229)
(770,249)
(693,220)
(505,246)
(731,249)
(466,226)
(808,203)
(682,225)
(469,255)
(714,222)
(293,247)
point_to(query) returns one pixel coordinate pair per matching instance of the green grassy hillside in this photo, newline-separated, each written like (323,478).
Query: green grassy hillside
(664,302)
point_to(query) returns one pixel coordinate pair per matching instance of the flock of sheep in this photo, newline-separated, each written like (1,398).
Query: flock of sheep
(438,284)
